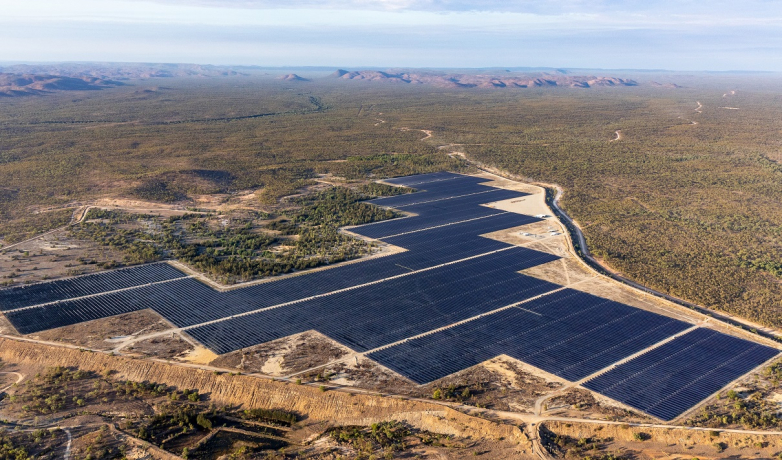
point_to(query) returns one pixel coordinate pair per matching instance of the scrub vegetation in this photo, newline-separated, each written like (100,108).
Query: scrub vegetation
(687,202)
(241,245)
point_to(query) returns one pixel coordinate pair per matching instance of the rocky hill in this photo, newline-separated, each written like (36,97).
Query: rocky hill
(293,77)
(14,85)
(484,81)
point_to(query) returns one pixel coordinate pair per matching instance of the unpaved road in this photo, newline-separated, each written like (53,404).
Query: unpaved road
(425,131)
(19,378)
(587,257)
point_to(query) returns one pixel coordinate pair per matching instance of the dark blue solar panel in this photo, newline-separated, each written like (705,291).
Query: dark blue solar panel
(187,302)
(35,294)
(459,202)
(668,380)
(437,213)
(462,231)
(568,333)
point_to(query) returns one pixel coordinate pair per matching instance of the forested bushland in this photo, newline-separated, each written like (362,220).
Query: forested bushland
(189,139)
(691,209)
(244,246)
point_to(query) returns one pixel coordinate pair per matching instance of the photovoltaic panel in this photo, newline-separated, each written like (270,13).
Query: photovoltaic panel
(568,333)
(439,191)
(189,301)
(73,311)
(668,380)
(432,215)
(35,294)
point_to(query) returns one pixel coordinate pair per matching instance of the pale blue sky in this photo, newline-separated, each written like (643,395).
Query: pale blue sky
(671,34)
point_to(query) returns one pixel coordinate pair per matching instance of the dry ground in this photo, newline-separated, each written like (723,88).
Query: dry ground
(106,333)
(53,256)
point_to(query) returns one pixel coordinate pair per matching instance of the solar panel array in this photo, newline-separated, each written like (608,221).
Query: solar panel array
(368,317)
(668,380)
(429,192)
(36,294)
(186,302)
(438,213)
(452,300)
(569,333)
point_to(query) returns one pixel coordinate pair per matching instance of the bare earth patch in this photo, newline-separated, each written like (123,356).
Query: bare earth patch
(53,256)
(501,383)
(284,356)
(579,440)
(107,333)
(165,347)
(579,403)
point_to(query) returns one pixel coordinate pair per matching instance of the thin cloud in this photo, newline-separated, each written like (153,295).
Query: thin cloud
(679,34)
(754,8)
(518,6)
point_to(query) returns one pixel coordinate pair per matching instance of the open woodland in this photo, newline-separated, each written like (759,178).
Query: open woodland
(688,200)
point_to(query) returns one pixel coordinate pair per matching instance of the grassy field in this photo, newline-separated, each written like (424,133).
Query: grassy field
(687,201)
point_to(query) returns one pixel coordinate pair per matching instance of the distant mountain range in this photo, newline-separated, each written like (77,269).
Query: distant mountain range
(483,81)
(36,79)
(120,71)
(13,85)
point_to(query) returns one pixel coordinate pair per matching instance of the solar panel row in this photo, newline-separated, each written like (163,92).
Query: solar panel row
(670,379)
(416,199)
(567,333)
(438,213)
(35,294)
(446,189)
(78,310)
(187,302)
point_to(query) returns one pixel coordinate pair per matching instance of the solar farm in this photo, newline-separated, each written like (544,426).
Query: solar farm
(450,299)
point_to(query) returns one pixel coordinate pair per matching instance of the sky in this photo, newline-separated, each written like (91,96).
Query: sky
(688,35)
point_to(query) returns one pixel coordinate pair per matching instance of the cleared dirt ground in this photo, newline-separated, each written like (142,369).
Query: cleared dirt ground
(53,256)
(107,333)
